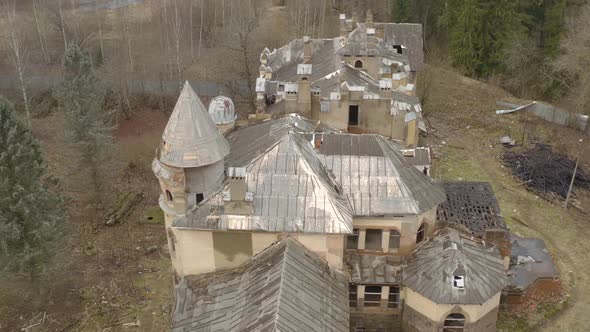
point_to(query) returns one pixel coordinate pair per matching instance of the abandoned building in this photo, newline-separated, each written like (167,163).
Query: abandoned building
(289,205)
(361,81)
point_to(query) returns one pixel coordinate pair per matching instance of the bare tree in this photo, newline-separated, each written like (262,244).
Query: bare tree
(573,64)
(16,41)
(40,33)
(177,33)
(99,19)
(201,27)
(62,24)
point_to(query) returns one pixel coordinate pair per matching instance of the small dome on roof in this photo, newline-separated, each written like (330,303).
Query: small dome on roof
(222,110)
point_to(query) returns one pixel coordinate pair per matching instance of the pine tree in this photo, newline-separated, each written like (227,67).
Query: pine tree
(402,11)
(465,36)
(88,125)
(553,27)
(31,208)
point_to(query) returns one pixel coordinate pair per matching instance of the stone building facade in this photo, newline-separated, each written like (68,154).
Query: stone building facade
(352,201)
(362,81)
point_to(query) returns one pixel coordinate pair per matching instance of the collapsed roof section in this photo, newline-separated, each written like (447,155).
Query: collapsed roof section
(451,269)
(473,205)
(284,288)
(190,138)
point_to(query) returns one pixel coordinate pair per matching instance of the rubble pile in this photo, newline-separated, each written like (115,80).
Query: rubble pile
(545,172)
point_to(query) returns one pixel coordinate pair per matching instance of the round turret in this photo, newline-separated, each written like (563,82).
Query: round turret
(191,139)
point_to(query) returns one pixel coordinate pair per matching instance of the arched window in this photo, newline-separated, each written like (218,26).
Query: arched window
(169,196)
(454,323)
(358,64)
(421,233)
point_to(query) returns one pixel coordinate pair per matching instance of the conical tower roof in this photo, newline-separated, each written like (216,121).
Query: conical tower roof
(191,139)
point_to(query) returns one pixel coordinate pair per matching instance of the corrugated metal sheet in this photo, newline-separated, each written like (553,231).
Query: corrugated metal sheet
(433,265)
(284,288)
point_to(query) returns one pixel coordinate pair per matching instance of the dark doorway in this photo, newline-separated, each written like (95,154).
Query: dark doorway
(358,64)
(353,115)
(398,49)
(200,198)
(420,234)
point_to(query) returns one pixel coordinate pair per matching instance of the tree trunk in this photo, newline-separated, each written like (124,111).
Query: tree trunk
(201,28)
(100,34)
(63,25)
(40,33)
(190,10)
(16,46)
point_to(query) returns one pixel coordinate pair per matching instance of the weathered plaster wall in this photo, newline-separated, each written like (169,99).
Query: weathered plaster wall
(421,314)
(200,251)
(407,226)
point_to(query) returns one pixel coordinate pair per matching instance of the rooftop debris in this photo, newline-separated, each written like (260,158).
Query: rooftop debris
(545,172)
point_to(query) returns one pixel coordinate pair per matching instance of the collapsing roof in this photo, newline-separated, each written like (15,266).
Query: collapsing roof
(374,269)
(451,269)
(529,262)
(284,288)
(190,138)
(473,205)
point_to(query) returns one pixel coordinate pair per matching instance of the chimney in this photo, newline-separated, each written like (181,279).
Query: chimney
(355,20)
(317,141)
(237,184)
(343,30)
(370,23)
(262,71)
(307,48)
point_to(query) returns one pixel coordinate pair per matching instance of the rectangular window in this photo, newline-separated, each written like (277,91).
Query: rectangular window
(352,240)
(372,296)
(373,239)
(394,240)
(393,299)
(352,296)
(200,198)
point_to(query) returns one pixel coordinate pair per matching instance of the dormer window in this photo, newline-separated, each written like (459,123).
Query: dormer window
(459,282)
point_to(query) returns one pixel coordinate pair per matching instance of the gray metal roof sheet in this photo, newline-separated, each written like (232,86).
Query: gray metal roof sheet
(376,177)
(190,138)
(409,35)
(284,288)
(434,263)
(523,275)
(292,192)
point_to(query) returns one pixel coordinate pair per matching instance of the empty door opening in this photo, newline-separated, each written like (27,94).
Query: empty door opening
(353,115)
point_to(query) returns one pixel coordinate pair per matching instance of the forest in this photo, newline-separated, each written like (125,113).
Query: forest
(72,72)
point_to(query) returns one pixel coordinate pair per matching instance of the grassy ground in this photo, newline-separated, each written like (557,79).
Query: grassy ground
(461,112)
